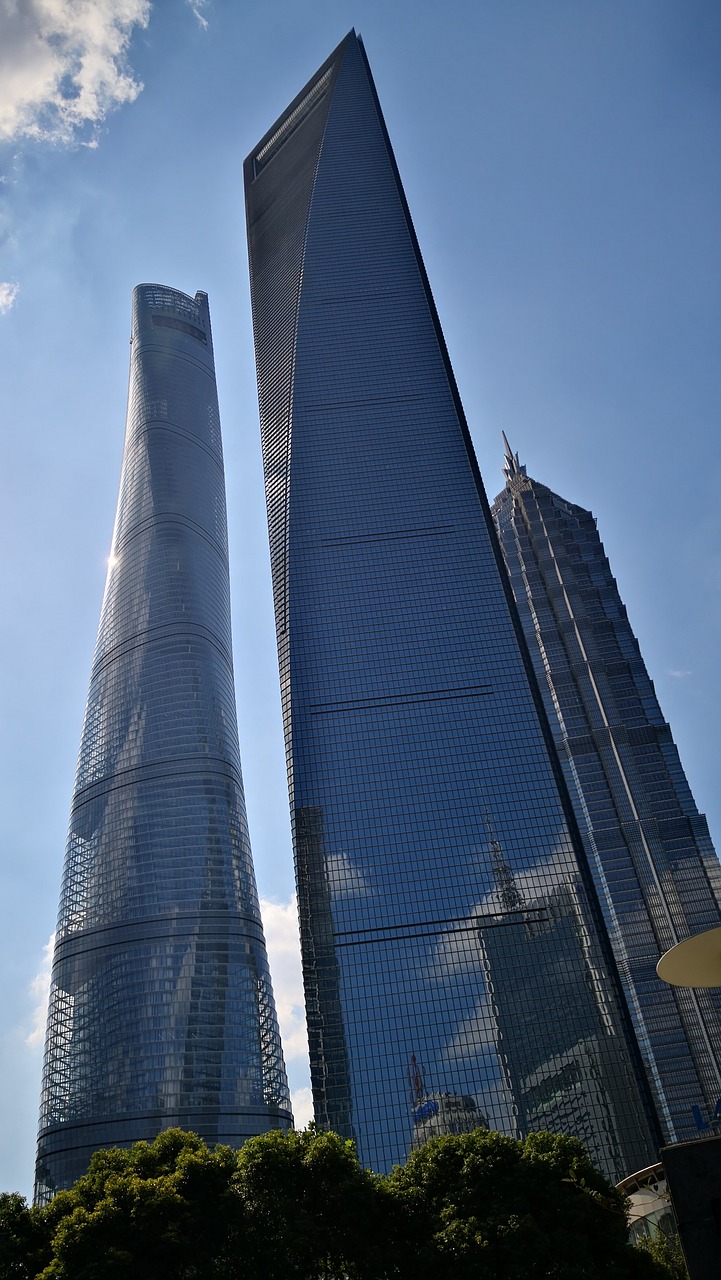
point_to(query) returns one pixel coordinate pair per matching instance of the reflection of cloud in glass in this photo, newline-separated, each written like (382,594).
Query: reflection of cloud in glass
(458,951)
(459,959)
(344,877)
(537,881)
(475,1038)
(476,1043)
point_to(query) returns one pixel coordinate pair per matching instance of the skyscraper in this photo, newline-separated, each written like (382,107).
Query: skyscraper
(161,1009)
(416,741)
(656,872)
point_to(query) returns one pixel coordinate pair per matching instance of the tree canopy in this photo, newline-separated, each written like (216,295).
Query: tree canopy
(297,1206)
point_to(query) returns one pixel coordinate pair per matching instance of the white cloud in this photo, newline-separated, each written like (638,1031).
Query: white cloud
(197,6)
(477,1033)
(280,921)
(9,291)
(302,1103)
(678,674)
(459,952)
(344,877)
(63,65)
(40,991)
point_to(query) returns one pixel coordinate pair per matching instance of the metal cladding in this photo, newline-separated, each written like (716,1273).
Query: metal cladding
(448,916)
(161,1009)
(655,869)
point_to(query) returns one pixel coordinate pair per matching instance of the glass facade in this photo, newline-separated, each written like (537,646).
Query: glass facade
(161,1009)
(449,926)
(656,872)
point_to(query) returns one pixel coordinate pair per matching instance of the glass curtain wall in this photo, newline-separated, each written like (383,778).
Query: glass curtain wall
(655,868)
(161,1009)
(438,863)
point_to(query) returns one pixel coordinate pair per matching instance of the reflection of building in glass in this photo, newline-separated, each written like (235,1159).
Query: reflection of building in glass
(408,702)
(321,971)
(161,1010)
(439,1115)
(561,1069)
(656,872)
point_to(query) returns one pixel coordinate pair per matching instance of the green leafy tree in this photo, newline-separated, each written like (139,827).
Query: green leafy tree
(297,1206)
(24,1239)
(166,1210)
(483,1205)
(667,1253)
(287,1205)
(311,1210)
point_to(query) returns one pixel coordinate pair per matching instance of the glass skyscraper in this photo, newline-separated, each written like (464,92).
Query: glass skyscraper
(656,872)
(447,910)
(161,1009)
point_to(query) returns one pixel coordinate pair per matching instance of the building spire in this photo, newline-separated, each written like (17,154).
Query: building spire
(508,892)
(511,465)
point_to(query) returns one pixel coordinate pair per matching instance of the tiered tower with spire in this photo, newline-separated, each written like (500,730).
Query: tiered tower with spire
(656,872)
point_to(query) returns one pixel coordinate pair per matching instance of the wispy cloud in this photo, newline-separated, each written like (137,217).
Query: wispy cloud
(9,291)
(344,877)
(678,674)
(197,6)
(474,1036)
(280,921)
(63,65)
(461,953)
(40,991)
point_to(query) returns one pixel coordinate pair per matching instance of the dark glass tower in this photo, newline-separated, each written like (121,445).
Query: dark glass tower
(161,1009)
(656,872)
(417,745)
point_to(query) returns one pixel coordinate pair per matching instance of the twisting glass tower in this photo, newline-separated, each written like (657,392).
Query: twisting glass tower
(657,874)
(161,1009)
(438,862)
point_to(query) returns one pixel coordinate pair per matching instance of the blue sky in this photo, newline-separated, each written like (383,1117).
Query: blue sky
(560,159)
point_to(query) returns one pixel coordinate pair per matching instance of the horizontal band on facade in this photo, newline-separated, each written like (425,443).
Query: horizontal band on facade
(151,422)
(179,631)
(182,326)
(152,522)
(356,402)
(400,700)
(168,767)
(391,535)
(158,1117)
(179,925)
(435,928)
